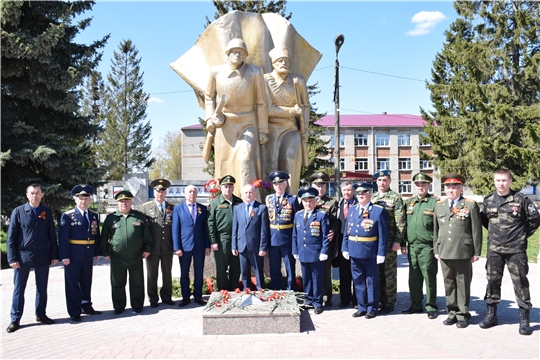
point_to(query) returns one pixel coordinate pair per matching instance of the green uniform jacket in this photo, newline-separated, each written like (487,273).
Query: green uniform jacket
(509,224)
(126,237)
(220,219)
(457,234)
(395,212)
(330,206)
(160,227)
(420,213)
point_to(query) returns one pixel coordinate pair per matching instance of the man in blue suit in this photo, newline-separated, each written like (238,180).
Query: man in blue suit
(191,242)
(364,242)
(31,243)
(78,244)
(281,210)
(250,236)
(310,245)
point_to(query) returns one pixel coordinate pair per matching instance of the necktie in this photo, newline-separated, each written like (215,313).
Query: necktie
(451,204)
(362,212)
(193,211)
(86,222)
(346,210)
(247,212)
(163,208)
(306,216)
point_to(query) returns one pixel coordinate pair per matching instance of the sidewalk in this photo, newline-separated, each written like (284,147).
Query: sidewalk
(170,332)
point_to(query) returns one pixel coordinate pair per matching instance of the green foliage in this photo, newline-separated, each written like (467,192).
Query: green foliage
(253,6)
(126,140)
(44,137)
(485,90)
(168,163)
(533,247)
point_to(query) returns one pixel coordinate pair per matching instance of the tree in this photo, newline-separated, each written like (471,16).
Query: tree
(44,137)
(168,163)
(253,6)
(126,140)
(486,93)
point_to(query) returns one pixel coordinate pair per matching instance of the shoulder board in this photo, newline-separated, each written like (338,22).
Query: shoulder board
(377,205)
(70,211)
(489,195)
(92,211)
(148,203)
(469,200)
(321,211)
(440,201)
(435,197)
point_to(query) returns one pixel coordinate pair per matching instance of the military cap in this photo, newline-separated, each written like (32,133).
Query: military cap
(421,177)
(278,176)
(319,178)
(159,184)
(236,43)
(307,193)
(381,173)
(278,53)
(362,187)
(82,190)
(123,195)
(453,178)
(227,180)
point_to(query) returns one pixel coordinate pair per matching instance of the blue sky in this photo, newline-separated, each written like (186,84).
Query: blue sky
(398,38)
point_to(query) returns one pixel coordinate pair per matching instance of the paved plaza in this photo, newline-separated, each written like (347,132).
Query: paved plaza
(170,332)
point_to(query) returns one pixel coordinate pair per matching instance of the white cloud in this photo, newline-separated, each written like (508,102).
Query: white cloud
(156,100)
(425,22)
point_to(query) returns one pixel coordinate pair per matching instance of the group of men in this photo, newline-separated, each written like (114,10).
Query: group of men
(359,234)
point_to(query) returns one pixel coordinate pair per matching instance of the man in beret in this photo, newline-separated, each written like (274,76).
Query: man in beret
(159,216)
(457,243)
(220,220)
(310,246)
(418,245)
(78,246)
(125,240)
(395,215)
(281,210)
(364,243)
(318,181)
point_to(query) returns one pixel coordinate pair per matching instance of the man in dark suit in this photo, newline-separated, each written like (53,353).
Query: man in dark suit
(191,242)
(457,243)
(31,243)
(159,215)
(310,246)
(78,244)
(250,236)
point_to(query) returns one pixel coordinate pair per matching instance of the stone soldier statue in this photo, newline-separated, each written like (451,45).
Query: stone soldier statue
(288,118)
(159,215)
(395,214)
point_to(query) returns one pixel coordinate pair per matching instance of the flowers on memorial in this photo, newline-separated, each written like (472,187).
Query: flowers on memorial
(212,187)
(225,300)
(43,215)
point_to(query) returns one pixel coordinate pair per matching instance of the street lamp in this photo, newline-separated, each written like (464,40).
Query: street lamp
(338,41)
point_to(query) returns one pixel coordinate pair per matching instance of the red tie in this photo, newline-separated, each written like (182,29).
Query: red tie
(346,210)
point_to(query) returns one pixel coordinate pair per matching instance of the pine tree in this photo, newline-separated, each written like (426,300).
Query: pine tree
(486,93)
(126,144)
(92,94)
(44,137)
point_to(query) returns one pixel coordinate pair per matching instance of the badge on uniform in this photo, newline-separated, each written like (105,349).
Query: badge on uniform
(93,227)
(367,224)
(315,228)
(136,223)
(62,222)
(532,209)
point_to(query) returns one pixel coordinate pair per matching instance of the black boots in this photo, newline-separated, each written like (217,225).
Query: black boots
(491,317)
(524,318)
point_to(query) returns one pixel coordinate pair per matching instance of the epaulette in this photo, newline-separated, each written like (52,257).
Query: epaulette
(489,195)
(441,201)
(92,211)
(382,207)
(148,202)
(435,197)
(469,200)
(321,210)
(70,211)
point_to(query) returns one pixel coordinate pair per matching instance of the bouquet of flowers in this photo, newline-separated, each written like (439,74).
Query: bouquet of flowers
(212,187)
(258,183)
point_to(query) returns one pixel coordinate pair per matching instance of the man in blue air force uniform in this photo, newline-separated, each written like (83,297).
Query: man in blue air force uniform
(281,210)
(364,242)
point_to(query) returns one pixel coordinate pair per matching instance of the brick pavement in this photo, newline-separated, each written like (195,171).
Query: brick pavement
(170,332)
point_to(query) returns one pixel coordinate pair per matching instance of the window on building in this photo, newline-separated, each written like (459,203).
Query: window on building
(341,164)
(360,164)
(404,164)
(405,187)
(425,164)
(383,164)
(423,139)
(382,139)
(341,140)
(404,140)
(360,140)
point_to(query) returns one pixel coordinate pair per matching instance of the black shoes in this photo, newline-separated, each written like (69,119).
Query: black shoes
(44,320)
(462,324)
(371,315)
(76,318)
(184,303)
(118,312)
(14,326)
(359,314)
(432,315)
(386,309)
(343,305)
(88,309)
(137,310)
(318,310)
(410,310)
(153,304)
(168,302)
(200,301)
(450,321)
(328,303)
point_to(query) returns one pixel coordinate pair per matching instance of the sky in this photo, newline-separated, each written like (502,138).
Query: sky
(385,60)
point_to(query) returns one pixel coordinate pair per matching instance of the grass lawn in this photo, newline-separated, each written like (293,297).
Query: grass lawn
(532,249)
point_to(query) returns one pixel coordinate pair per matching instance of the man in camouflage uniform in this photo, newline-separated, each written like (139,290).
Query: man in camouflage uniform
(419,250)
(220,219)
(395,213)
(324,202)
(511,218)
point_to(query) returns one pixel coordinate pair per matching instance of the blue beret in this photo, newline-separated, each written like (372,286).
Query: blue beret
(309,192)
(363,186)
(381,173)
(82,190)
(278,176)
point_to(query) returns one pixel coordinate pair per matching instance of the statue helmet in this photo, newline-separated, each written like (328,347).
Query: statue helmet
(236,43)
(278,53)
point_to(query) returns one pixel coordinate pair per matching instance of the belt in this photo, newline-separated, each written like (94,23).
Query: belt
(360,238)
(281,227)
(82,242)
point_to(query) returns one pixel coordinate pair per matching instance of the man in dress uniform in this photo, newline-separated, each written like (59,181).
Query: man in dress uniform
(510,218)
(324,202)
(310,246)
(281,210)
(395,214)
(31,243)
(457,242)
(364,242)
(159,216)
(126,240)
(419,240)
(78,245)
(220,220)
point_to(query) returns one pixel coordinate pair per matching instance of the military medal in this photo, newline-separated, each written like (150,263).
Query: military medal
(93,227)
(367,224)
(199,209)
(251,213)
(515,210)
(315,228)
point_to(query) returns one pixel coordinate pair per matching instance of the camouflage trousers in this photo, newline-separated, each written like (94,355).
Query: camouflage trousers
(518,268)
(388,280)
